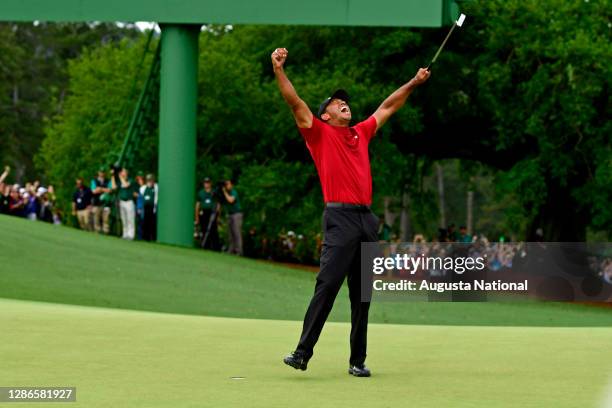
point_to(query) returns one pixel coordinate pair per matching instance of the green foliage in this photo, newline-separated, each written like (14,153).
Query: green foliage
(34,80)
(276,197)
(524,89)
(546,80)
(91,129)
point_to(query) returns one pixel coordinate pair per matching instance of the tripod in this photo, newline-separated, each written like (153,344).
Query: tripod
(212,219)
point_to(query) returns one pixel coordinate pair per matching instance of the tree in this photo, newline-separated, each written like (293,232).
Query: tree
(89,131)
(523,91)
(33,72)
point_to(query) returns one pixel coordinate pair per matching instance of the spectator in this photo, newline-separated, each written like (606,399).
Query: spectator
(101,202)
(234,218)
(31,204)
(16,202)
(463,235)
(206,216)
(384,230)
(57,215)
(45,212)
(4,174)
(5,193)
(140,181)
(148,192)
(128,192)
(81,205)
(452,235)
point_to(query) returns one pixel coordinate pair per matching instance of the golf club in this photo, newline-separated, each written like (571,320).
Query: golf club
(458,23)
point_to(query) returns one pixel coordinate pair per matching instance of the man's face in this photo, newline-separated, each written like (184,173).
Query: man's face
(228,185)
(100,174)
(79,183)
(123,173)
(207,185)
(338,111)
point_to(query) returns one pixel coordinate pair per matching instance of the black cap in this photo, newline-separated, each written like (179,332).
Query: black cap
(339,94)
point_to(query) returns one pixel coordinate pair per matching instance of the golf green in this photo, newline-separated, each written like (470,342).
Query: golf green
(119,358)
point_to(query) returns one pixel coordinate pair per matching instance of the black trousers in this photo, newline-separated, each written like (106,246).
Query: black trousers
(149,224)
(344,230)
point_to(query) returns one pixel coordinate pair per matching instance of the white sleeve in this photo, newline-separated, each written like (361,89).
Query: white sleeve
(156,190)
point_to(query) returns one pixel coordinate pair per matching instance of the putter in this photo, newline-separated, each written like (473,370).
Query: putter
(458,23)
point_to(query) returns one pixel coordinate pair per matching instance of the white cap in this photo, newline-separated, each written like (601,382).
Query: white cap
(41,190)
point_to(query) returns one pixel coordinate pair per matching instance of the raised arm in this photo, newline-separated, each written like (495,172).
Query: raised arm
(301,111)
(5,174)
(398,98)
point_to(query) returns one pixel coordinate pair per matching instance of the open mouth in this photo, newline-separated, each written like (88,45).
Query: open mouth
(344,109)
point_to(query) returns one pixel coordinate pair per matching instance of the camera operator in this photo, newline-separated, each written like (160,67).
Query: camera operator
(206,215)
(234,217)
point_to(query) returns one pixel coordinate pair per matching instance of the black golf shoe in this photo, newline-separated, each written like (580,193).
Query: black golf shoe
(296,360)
(359,370)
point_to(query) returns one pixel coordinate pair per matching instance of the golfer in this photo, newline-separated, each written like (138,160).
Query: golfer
(340,154)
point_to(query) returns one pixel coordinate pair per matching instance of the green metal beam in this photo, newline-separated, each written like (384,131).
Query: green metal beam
(177,133)
(398,13)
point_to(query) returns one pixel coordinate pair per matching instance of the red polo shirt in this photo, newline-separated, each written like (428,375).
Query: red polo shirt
(341,157)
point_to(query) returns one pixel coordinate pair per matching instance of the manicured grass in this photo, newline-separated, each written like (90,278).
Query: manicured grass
(134,359)
(62,265)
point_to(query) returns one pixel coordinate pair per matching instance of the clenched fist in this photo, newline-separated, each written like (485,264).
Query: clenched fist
(279,56)
(421,76)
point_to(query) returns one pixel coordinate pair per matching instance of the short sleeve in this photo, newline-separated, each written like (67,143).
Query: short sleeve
(93,184)
(312,135)
(367,128)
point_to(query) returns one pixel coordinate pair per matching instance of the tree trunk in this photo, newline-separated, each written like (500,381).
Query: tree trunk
(470,209)
(440,173)
(405,228)
(389,215)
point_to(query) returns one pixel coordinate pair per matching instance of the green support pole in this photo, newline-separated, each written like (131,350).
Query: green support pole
(177,133)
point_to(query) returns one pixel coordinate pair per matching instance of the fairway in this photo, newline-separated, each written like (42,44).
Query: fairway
(56,264)
(142,359)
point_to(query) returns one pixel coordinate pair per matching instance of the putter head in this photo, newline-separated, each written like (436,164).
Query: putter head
(460,20)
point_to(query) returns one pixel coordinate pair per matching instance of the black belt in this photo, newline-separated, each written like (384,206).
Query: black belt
(348,206)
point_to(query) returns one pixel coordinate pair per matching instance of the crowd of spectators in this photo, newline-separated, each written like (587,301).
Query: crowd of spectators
(32,200)
(134,200)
